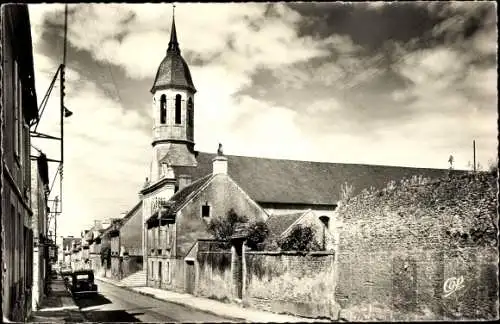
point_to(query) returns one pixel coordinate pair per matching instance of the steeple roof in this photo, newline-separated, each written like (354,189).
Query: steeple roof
(173,71)
(173,45)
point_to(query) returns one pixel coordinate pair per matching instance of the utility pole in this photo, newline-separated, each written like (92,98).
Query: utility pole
(56,201)
(474,152)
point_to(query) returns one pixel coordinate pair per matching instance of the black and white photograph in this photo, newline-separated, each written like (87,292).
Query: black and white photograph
(261,162)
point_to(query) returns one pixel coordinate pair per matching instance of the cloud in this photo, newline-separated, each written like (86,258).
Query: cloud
(106,150)
(266,88)
(126,34)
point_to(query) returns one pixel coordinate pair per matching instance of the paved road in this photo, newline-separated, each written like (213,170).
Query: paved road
(115,304)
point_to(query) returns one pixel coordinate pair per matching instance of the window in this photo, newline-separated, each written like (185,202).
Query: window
(205,211)
(151,269)
(163,109)
(167,236)
(190,112)
(178,109)
(82,277)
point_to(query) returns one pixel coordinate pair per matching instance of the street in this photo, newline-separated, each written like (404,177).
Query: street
(116,304)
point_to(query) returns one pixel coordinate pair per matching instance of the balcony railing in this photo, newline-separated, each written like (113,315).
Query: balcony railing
(159,203)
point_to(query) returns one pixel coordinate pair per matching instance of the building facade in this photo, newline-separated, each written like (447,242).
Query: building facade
(39,196)
(18,111)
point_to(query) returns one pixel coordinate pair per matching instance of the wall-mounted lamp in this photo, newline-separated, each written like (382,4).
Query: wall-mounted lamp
(67,112)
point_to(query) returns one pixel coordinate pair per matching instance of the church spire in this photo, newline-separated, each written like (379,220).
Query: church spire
(173,45)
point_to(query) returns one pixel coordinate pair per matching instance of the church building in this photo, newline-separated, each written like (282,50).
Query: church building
(187,188)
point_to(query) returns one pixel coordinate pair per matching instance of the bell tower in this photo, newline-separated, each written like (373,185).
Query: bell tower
(173,111)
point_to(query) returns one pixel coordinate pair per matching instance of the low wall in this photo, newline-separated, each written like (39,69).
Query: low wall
(214,275)
(291,283)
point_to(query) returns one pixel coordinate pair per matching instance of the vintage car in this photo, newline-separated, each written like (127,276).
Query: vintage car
(82,283)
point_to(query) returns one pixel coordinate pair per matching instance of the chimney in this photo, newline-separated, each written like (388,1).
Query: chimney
(184,181)
(219,162)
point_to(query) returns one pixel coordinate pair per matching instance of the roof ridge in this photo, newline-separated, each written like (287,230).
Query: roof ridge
(326,163)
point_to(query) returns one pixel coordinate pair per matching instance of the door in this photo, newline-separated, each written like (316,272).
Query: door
(190,277)
(238,271)
(159,274)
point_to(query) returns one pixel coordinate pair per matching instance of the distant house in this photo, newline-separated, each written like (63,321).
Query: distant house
(186,188)
(130,242)
(95,244)
(76,255)
(122,237)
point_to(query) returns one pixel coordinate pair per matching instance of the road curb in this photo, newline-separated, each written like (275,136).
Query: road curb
(174,302)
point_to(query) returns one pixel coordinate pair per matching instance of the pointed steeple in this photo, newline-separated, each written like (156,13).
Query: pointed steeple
(173,45)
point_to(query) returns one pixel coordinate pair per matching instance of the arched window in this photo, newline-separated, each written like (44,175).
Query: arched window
(163,109)
(178,109)
(190,112)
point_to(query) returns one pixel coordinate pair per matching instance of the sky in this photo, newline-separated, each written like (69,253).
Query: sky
(405,84)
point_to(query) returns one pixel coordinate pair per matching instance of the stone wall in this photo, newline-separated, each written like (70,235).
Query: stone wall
(214,275)
(420,250)
(285,282)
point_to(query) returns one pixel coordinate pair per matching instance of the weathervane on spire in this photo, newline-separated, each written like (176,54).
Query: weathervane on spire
(173,45)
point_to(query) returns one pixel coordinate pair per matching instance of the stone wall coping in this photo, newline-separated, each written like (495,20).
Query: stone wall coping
(211,240)
(298,253)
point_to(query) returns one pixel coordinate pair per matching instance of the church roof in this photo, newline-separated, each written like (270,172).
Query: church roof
(302,182)
(173,71)
(278,224)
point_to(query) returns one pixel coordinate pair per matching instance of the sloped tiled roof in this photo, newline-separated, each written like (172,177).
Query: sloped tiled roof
(277,224)
(302,182)
(183,195)
(130,213)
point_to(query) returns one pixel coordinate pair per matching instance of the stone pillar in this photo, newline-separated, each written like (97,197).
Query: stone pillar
(238,263)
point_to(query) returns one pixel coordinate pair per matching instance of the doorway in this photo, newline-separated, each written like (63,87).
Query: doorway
(159,274)
(190,276)
(238,270)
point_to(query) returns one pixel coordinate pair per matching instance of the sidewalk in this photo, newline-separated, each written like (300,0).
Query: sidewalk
(58,306)
(213,306)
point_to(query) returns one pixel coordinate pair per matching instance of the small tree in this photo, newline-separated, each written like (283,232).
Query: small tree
(346,192)
(257,234)
(301,238)
(222,228)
